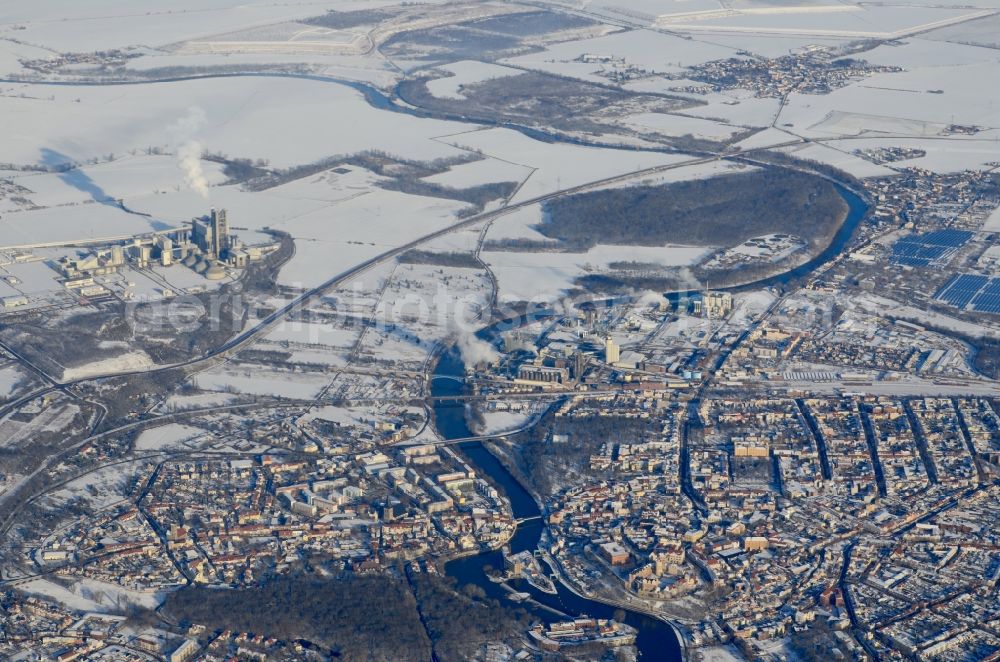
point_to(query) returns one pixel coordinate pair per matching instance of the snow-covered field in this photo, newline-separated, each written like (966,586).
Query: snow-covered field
(257,381)
(837,157)
(833,20)
(736,107)
(288,37)
(993,222)
(498,422)
(312,333)
(942,155)
(679,125)
(483,171)
(337,220)
(685,173)
(198,400)
(770,44)
(10,377)
(518,224)
(466,72)
(982,32)
(128,175)
(75,599)
(122,363)
(166,436)
(53,419)
(291,121)
(421,306)
(720,654)
(653,51)
(902,103)
(340,220)
(332,240)
(545,276)
(558,166)
(11,54)
(61,225)
(107,24)
(875,304)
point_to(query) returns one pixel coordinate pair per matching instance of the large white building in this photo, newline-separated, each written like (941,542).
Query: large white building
(612,352)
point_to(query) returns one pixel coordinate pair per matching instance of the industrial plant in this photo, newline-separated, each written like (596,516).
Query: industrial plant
(206,246)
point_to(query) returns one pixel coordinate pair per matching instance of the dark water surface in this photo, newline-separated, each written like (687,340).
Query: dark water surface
(656,640)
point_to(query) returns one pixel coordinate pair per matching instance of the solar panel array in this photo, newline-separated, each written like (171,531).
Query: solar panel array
(988,299)
(981,292)
(959,290)
(947,237)
(921,250)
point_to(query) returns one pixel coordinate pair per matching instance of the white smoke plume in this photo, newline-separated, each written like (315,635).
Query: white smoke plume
(646,298)
(476,351)
(189,149)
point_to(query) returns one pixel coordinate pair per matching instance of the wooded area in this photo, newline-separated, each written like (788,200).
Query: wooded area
(358,617)
(718,211)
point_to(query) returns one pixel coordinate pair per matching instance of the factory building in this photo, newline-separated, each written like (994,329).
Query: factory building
(206,247)
(541,375)
(718,304)
(211,234)
(165,245)
(612,352)
(95,264)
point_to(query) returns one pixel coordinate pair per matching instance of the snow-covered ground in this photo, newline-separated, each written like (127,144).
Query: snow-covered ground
(720,654)
(126,176)
(518,224)
(484,171)
(680,125)
(687,172)
(101,489)
(292,121)
(313,333)
(558,165)
(902,103)
(166,436)
(258,381)
(53,419)
(331,241)
(748,306)
(846,161)
(881,305)
(993,222)
(423,305)
(848,21)
(737,107)
(198,400)
(10,377)
(76,598)
(62,225)
(122,363)
(653,51)
(981,32)
(545,276)
(942,156)
(498,422)
(337,220)
(107,24)
(466,72)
